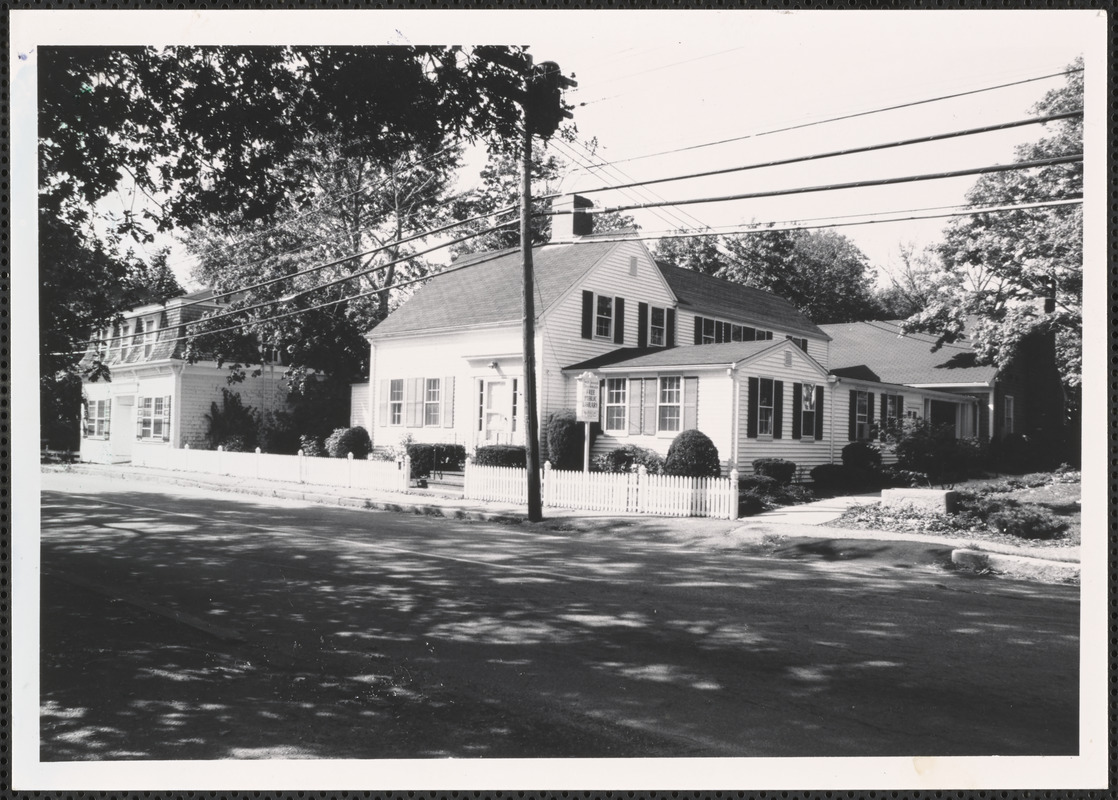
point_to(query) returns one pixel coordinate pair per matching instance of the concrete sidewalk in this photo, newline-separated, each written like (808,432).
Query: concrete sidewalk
(804,521)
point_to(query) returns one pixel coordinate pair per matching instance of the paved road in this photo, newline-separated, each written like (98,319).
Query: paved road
(179,623)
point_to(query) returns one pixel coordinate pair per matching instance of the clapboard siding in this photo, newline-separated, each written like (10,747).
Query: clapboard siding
(805,453)
(200,386)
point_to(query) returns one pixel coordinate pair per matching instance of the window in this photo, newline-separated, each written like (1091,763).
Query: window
(603,317)
(708,331)
(153,418)
(431,401)
(668,414)
(1009,421)
(894,408)
(97,418)
(735,333)
(765,407)
(657,327)
(616,406)
(807,411)
(861,416)
(396,402)
(799,342)
(149,337)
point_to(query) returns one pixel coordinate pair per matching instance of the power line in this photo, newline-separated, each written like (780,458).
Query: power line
(620,237)
(845,152)
(854,115)
(1066,159)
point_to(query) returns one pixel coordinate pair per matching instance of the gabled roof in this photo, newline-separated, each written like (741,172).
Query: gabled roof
(706,295)
(489,292)
(726,354)
(882,351)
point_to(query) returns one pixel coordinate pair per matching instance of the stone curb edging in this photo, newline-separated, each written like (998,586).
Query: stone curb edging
(1040,569)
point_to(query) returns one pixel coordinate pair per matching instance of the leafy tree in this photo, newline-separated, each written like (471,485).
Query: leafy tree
(1018,273)
(217,135)
(908,291)
(822,273)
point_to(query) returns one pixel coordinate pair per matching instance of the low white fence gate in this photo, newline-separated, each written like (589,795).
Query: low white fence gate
(635,492)
(351,473)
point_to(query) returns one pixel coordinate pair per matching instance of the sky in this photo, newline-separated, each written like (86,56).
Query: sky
(657,81)
(654,81)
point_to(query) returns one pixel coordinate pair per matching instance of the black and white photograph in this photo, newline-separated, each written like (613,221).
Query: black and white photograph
(558,399)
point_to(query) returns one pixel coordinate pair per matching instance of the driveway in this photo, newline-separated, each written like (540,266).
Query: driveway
(180,623)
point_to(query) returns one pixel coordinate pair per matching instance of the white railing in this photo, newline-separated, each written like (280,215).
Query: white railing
(351,473)
(636,492)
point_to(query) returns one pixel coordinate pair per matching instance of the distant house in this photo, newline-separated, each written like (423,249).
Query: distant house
(1025,398)
(674,349)
(153,397)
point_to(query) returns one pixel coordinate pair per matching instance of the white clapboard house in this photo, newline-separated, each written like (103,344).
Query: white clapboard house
(674,349)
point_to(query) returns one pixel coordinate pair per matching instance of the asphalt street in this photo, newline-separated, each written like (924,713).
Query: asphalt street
(181,623)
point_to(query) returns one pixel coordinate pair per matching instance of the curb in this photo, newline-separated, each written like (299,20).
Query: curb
(1038,569)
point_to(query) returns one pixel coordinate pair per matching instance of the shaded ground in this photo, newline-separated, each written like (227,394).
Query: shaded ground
(187,624)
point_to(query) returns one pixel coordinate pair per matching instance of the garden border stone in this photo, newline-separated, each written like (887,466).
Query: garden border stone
(940,501)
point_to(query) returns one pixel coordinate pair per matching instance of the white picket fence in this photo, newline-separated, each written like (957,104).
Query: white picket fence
(637,492)
(352,473)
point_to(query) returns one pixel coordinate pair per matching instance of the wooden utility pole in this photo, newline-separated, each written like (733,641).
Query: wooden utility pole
(531,417)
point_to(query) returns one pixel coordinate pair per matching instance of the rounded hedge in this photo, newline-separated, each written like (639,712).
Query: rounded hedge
(693,455)
(778,469)
(344,441)
(861,455)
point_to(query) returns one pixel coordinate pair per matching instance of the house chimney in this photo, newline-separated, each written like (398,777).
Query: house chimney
(575,222)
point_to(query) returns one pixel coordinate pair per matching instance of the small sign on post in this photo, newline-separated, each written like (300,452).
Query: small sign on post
(587,410)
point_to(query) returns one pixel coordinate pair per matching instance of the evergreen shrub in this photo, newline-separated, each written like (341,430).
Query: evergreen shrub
(502,455)
(692,454)
(779,469)
(344,441)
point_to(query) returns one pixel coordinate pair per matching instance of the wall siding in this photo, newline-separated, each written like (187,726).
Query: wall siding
(805,453)
(200,386)
(819,349)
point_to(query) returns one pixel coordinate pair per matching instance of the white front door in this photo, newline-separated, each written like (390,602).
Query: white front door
(497,412)
(122,431)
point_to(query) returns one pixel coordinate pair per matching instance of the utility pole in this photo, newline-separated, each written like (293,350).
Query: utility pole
(543,111)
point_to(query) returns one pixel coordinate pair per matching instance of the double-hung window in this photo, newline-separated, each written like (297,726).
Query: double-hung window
(708,331)
(669,412)
(765,407)
(432,401)
(893,412)
(616,406)
(603,317)
(97,418)
(807,411)
(862,416)
(657,327)
(396,402)
(153,418)
(149,337)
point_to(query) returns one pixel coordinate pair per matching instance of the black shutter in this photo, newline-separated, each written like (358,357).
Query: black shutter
(619,321)
(698,330)
(778,409)
(642,324)
(869,412)
(797,408)
(719,332)
(853,434)
(818,412)
(669,334)
(587,315)
(751,419)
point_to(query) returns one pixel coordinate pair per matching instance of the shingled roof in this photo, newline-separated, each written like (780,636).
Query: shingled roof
(882,351)
(706,295)
(489,291)
(699,355)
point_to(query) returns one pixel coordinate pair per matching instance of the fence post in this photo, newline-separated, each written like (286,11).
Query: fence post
(220,450)
(186,457)
(545,492)
(302,466)
(642,487)
(732,494)
(466,478)
(405,473)
(349,470)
